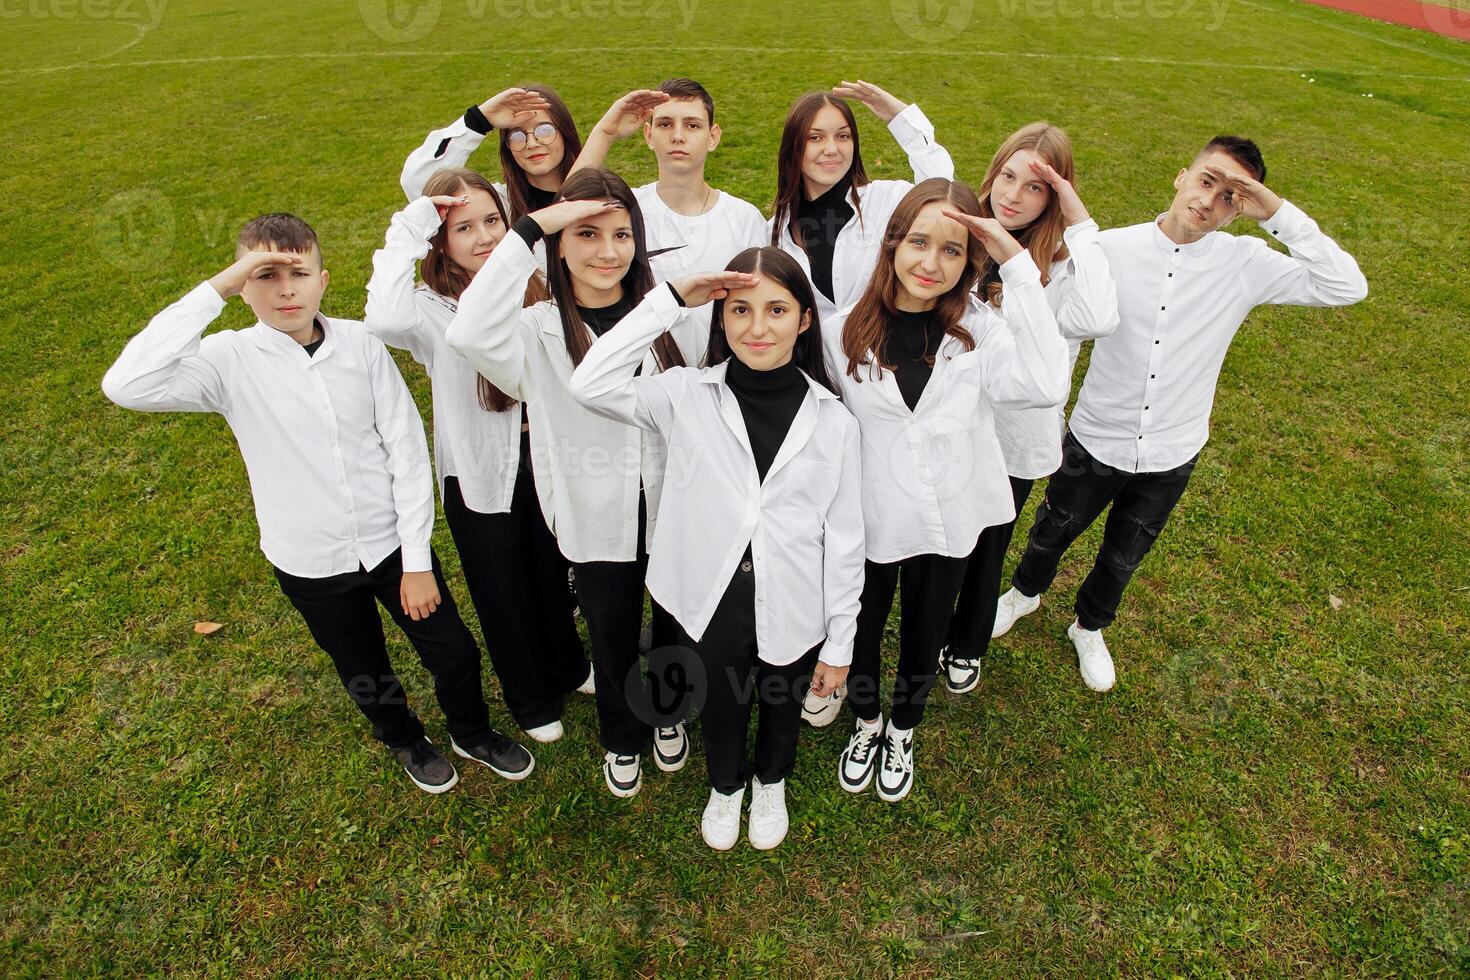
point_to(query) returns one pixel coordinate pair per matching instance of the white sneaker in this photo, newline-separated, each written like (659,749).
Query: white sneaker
(860,757)
(720,825)
(1093,658)
(589,686)
(670,748)
(896,773)
(624,774)
(961,675)
(819,711)
(549,732)
(1011,607)
(768,820)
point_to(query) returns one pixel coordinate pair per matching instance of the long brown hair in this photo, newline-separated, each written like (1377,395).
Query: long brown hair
(866,331)
(600,184)
(773,263)
(1042,237)
(448,278)
(789,185)
(517,184)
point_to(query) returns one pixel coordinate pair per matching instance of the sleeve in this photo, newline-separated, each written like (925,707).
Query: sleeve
(166,367)
(1024,360)
(843,552)
(605,381)
(402,431)
(392,313)
(487,327)
(1089,306)
(915,135)
(1316,273)
(447,147)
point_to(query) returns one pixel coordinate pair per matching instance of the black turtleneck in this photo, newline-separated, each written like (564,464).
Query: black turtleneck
(768,401)
(537,198)
(911,344)
(819,221)
(604,318)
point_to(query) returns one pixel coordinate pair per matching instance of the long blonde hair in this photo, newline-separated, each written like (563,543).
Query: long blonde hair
(1042,237)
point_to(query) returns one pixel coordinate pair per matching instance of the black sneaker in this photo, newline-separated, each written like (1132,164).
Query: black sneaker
(426,766)
(498,754)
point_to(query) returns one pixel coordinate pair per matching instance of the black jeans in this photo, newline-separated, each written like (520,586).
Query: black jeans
(518,582)
(974,612)
(1075,496)
(930,584)
(341,612)
(736,679)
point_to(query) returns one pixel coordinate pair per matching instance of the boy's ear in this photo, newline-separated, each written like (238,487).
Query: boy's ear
(714,136)
(1178,180)
(326,278)
(648,134)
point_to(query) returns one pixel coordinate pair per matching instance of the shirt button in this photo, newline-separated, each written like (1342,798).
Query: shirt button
(1145,408)
(1163,308)
(1171,275)
(1156,343)
(745,566)
(1152,376)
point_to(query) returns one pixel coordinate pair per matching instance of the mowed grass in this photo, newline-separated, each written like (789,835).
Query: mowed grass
(1280,784)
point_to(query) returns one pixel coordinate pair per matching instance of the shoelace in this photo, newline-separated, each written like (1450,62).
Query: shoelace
(866,740)
(891,759)
(668,733)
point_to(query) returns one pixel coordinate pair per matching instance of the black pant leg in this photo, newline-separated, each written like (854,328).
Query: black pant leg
(555,606)
(611,596)
(446,648)
(342,615)
(879,583)
(781,691)
(1138,516)
(728,654)
(1075,495)
(927,590)
(974,613)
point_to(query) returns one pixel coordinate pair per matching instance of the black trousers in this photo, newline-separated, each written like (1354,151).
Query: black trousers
(1075,496)
(974,613)
(342,613)
(736,680)
(930,584)
(518,582)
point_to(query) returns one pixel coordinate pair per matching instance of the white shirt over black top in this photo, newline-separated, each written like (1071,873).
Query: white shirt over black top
(1146,399)
(332,442)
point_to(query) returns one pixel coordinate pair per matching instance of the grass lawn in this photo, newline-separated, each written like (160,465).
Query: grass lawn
(1280,784)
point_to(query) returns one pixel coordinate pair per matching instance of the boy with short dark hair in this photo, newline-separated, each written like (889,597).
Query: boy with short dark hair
(339,469)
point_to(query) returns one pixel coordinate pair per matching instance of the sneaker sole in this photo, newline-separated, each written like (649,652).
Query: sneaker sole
(963,689)
(617,790)
(720,846)
(546,740)
(821,719)
(767,845)
(842,781)
(514,777)
(430,788)
(670,766)
(900,795)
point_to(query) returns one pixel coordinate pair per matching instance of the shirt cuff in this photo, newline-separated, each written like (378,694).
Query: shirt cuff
(835,654)
(529,230)
(909,123)
(1288,222)
(422,215)
(1019,269)
(476,121)
(677,298)
(206,295)
(417,558)
(1088,226)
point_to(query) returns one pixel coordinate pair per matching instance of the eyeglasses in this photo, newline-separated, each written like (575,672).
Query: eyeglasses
(544,134)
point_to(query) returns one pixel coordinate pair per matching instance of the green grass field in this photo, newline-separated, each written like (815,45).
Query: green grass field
(1280,784)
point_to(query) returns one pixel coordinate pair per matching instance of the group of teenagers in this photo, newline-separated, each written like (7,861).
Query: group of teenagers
(773,425)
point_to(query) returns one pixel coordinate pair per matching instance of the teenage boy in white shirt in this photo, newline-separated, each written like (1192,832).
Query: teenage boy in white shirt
(1142,417)
(339,469)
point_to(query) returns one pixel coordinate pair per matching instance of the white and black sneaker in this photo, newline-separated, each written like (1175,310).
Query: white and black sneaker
(820,711)
(860,757)
(896,773)
(624,774)
(498,754)
(670,748)
(589,686)
(961,674)
(426,766)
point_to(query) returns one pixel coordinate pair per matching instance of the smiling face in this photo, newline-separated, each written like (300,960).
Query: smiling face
(762,323)
(1201,203)
(598,252)
(828,154)
(1017,195)
(286,297)
(539,159)
(680,136)
(930,259)
(472,230)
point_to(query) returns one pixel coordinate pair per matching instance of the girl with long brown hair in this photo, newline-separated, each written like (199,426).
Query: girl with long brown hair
(516,576)
(923,366)
(828,215)
(1028,190)
(592,474)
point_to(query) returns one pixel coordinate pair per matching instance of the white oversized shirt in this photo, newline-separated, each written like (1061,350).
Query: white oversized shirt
(681,244)
(856,249)
(479,448)
(933,476)
(1146,399)
(333,443)
(803,523)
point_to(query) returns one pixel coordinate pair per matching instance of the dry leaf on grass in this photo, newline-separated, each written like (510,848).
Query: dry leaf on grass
(1334,601)
(204,629)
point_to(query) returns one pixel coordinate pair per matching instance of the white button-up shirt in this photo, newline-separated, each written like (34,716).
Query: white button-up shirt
(1082,297)
(333,443)
(803,523)
(587,468)
(1146,399)
(481,449)
(856,248)
(933,476)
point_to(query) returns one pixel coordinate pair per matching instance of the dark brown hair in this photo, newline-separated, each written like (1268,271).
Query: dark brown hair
(1242,151)
(789,185)
(688,88)
(773,263)
(278,232)
(517,184)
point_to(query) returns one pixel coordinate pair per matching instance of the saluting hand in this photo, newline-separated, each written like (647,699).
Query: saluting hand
(997,242)
(884,106)
(627,115)
(697,290)
(562,214)
(231,281)
(1073,210)
(1247,195)
(513,107)
(444,203)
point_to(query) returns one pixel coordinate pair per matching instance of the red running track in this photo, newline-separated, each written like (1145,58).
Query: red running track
(1445,21)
